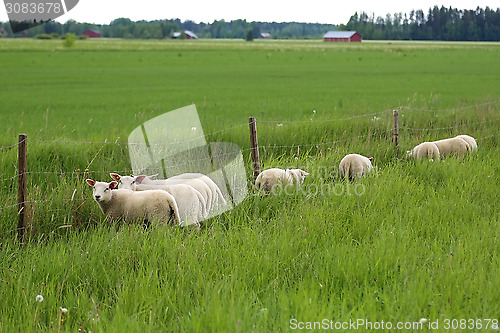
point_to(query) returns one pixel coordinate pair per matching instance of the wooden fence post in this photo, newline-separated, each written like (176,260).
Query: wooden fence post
(21,188)
(395,113)
(255,146)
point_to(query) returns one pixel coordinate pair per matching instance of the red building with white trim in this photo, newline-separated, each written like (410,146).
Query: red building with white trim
(342,36)
(91,33)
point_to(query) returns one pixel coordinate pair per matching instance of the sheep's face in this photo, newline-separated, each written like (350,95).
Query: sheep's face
(124,182)
(102,192)
(297,174)
(127,183)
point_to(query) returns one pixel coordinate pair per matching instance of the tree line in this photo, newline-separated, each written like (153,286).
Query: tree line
(448,24)
(160,29)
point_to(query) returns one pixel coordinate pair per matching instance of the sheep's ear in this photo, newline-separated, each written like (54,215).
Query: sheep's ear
(153,176)
(304,173)
(139,179)
(113,185)
(371,159)
(115,176)
(90,182)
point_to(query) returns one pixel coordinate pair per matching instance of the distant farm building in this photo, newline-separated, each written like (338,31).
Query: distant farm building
(91,33)
(342,36)
(265,35)
(189,35)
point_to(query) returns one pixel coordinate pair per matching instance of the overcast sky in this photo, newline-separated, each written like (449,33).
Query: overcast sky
(311,11)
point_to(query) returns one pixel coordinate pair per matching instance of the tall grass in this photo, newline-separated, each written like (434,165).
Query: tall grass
(412,240)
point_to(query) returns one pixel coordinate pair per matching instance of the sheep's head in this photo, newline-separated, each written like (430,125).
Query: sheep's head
(143,179)
(101,190)
(298,174)
(124,182)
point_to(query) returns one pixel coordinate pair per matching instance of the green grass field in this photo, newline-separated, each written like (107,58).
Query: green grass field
(411,241)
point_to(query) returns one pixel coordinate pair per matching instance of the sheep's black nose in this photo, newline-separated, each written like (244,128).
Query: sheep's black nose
(97,197)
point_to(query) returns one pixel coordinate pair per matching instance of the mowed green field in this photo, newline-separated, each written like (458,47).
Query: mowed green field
(411,241)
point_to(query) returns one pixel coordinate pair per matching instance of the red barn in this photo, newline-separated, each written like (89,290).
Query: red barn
(91,33)
(342,36)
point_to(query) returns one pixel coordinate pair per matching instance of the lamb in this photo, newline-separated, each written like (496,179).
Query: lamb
(131,206)
(355,166)
(427,150)
(452,146)
(470,140)
(269,179)
(190,202)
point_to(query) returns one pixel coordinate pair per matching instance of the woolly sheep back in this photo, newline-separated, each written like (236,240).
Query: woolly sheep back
(354,166)
(425,150)
(470,140)
(453,146)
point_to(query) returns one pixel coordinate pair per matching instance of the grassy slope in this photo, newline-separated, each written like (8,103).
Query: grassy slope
(421,241)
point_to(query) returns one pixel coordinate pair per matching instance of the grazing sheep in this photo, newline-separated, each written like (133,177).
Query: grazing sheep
(425,150)
(453,146)
(355,166)
(470,140)
(129,205)
(190,202)
(268,179)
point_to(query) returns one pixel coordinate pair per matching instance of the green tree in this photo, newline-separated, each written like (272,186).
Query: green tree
(69,40)
(249,37)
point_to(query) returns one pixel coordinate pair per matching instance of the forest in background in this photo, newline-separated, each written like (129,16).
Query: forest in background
(439,23)
(446,24)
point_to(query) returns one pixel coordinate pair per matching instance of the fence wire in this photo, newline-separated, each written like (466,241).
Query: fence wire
(402,110)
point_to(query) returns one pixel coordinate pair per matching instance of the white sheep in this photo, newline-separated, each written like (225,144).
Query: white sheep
(269,179)
(212,195)
(425,150)
(124,182)
(452,146)
(470,140)
(217,199)
(190,202)
(130,206)
(355,166)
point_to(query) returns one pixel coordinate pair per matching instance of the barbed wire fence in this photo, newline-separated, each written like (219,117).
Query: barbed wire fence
(391,132)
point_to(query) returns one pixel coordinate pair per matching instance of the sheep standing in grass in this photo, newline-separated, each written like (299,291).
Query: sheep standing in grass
(355,166)
(212,195)
(131,206)
(470,140)
(269,179)
(190,202)
(425,150)
(216,194)
(453,146)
